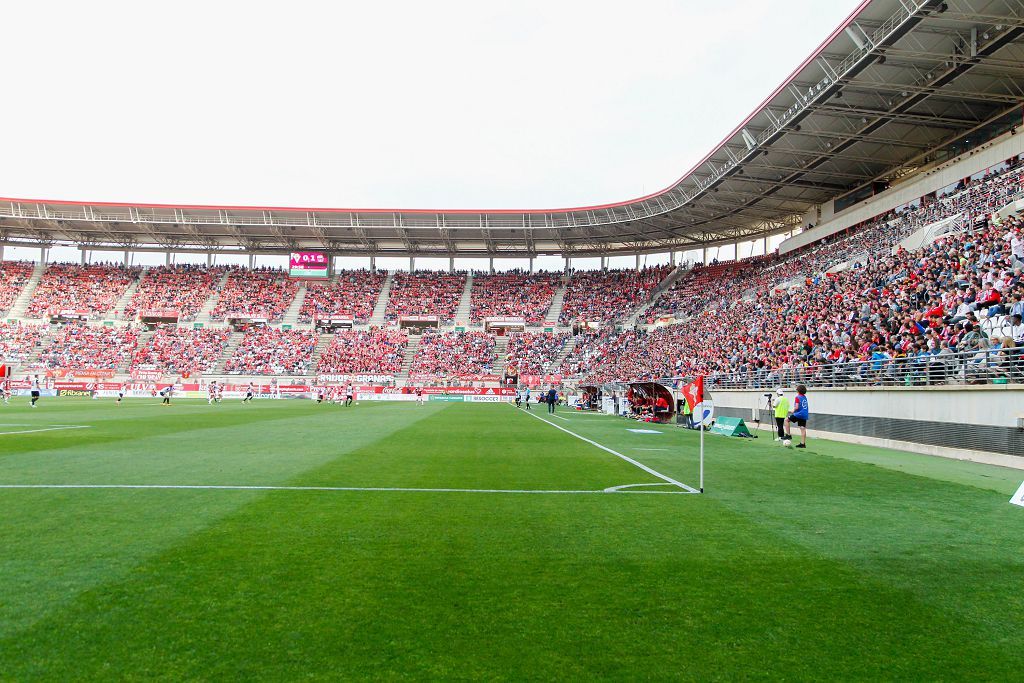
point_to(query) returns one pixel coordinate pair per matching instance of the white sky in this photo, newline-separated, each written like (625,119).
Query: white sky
(445,104)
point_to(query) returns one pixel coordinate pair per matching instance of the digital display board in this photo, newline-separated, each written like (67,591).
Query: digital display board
(308,264)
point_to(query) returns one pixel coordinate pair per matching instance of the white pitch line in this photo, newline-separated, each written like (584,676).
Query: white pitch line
(231,487)
(47,429)
(564,419)
(621,488)
(628,459)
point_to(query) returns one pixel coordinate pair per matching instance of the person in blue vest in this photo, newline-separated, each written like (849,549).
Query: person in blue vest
(552,399)
(801,411)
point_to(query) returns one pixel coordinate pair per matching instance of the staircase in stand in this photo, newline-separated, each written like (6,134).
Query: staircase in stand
(562,355)
(551,319)
(465,303)
(377,318)
(33,356)
(20,304)
(204,313)
(402,378)
(117,313)
(229,350)
(322,342)
(126,362)
(500,355)
(662,287)
(291,316)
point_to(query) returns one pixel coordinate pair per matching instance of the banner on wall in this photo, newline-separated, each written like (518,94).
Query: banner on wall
(358,379)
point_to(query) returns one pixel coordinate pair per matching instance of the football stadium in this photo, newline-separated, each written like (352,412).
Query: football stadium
(764,423)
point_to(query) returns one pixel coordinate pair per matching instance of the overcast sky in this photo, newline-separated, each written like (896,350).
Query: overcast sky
(445,104)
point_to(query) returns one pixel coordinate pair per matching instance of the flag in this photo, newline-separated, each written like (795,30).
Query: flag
(694,392)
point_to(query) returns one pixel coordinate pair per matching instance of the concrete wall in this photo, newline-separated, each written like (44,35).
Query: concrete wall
(993,405)
(969,422)
(986,156)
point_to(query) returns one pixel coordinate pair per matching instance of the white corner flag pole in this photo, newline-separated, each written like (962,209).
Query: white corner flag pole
(700,426)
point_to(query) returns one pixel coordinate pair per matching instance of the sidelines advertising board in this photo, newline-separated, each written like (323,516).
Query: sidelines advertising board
(355,379)
(137,389)
(423,377)
(465,394)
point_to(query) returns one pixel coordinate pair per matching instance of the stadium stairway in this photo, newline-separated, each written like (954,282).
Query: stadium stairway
(555,310)
(402,378)
(500,355)
(465,303)
(377,318)
(322,342)
(229,350)
(204,313)
(291,316)
(117,313)
(662,287)
(33,357)
(126,363)
(562,355)
(20,304)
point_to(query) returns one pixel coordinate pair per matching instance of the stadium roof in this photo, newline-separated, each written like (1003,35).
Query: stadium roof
(896,82)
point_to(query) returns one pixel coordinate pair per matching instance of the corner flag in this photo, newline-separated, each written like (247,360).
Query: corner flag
(694,393)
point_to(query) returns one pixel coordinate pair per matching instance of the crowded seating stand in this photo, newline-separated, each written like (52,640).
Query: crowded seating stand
(947,311)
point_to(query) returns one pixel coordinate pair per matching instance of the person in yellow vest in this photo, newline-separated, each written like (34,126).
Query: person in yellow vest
(687,415)
(781,413)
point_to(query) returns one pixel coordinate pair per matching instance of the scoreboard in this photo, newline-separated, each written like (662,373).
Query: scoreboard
(309,264)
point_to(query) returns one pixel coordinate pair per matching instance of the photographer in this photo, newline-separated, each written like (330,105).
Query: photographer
(781,406)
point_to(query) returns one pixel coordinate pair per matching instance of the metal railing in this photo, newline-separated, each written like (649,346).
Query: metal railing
(980,366)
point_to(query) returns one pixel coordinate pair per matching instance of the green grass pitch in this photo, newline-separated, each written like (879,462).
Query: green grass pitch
(841,562)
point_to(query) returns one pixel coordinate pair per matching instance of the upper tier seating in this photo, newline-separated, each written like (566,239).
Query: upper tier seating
(14,275)
(182,288)
(425,293)
(91,289)
(265,293)
(513,294)
(609,296)
(353,293)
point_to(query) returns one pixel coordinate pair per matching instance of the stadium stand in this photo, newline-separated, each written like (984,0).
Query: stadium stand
(269,351)
(14,275)
(890,313)
(182,288)
(19,341)
(364,352)
(425,293)
(353,293)
(262,293)
(181,351)
(454,353)
(609,296)
(91,290)
(80,346)
(513,294)
(842,301)
(535,353)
